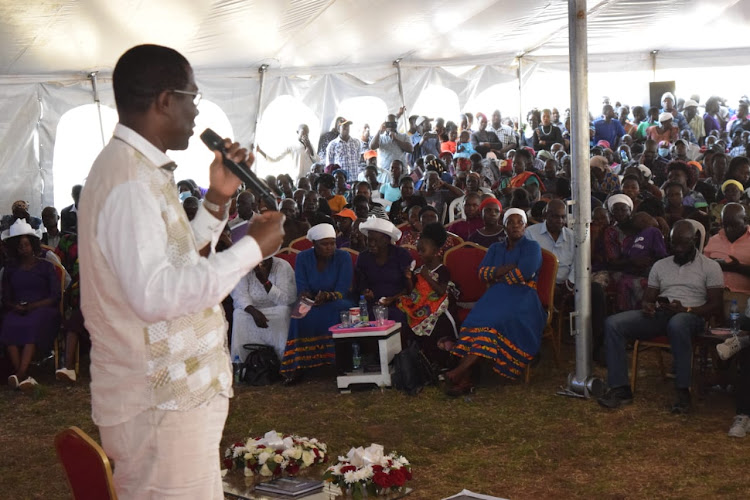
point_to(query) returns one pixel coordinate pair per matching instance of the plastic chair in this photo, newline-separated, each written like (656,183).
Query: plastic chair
(300,244)
(87,467)
(289,255)
(701,230)
(463,263)
(545,288)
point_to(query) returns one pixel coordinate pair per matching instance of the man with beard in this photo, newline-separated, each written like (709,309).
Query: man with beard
(683,290)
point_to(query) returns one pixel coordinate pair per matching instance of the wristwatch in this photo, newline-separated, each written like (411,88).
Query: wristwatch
(213,207)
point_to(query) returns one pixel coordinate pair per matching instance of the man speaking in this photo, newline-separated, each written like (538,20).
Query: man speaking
(151,285)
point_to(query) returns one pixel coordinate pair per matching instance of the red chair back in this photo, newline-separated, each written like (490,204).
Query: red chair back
(288,255)
(86,465)
(414,253)
(300,244)
(352,253)
(463,263)
(545,283)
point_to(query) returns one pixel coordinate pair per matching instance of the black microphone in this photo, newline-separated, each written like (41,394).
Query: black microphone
(216,143)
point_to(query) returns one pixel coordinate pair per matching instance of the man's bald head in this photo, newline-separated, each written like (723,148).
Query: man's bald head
(733,221)
(246,205)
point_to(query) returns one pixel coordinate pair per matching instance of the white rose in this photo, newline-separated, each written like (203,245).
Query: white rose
(248,472)
(349,477)
(278,459)
(297,453)
(403,461)
(308,458)
(263,457)
(265,471)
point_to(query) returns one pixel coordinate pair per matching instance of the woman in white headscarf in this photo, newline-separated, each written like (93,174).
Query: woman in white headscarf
(323,275)
(262,304)
(506,324)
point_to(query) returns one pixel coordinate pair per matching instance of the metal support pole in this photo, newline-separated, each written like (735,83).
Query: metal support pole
(92,77)
(581,384)
(520,94)
(262,71)
(654,54)
(397,63)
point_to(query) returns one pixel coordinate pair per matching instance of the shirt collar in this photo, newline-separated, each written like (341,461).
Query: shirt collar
(143,146)
(562,231)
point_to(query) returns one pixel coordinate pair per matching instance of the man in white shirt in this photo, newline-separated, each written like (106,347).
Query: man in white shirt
(390,144)
(151,287)
(301,151)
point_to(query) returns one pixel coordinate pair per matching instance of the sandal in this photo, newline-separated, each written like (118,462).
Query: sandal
(13,382)
(28,384)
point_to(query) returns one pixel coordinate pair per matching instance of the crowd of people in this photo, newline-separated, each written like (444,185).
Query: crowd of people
(669,237)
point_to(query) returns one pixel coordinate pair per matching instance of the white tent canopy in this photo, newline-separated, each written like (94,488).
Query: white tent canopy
(322,52)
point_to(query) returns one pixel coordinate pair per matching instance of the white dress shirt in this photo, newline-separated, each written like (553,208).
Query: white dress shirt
(564,249)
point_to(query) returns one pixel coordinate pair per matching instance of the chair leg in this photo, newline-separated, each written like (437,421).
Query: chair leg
(634,367)
(557,339)
(527,375)
(661,365)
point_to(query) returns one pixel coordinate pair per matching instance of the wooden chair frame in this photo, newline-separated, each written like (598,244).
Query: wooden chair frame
(107,467)
(550,332)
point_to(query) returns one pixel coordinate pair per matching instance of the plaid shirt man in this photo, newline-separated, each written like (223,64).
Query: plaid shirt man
(344,154)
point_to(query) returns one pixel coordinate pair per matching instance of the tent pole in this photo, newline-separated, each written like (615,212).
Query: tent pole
(654,53)
(397,63)
(262,71)
(92,77)
(520,93)
(581,384)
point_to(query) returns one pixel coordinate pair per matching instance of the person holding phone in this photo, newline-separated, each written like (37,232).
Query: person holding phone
(390,144)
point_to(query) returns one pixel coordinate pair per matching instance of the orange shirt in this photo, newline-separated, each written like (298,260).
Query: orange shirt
(719,247)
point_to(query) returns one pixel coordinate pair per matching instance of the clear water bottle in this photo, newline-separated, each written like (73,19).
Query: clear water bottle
(363,315)
(734,318)
(356,357)
(237,368)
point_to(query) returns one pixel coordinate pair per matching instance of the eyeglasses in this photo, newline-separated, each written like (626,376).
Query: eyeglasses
(196,95)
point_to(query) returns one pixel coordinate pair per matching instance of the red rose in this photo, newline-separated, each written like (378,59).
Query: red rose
(292,469)
(317,455)
(228,463)
(382,480)
(407,473)
(397,477)
(237,445)
(347,468)
(261,446)
(377,468)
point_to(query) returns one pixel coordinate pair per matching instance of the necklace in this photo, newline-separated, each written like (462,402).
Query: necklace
(546,133)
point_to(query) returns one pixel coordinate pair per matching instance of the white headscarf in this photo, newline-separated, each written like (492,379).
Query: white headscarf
(321,232)
(380,226)
(619,198)
(516,211)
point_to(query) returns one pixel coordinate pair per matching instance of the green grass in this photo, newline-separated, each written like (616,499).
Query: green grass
(508,440)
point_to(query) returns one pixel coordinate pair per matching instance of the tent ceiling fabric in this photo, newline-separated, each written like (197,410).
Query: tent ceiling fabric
(304,36)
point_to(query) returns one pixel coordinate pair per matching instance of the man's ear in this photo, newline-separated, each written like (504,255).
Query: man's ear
(163,101)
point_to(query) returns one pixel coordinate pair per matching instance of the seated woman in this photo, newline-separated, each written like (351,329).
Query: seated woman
(429,300)
(675,208)
(30,297)
(397,210)
(410,233)
(428,215)
(325,186)
(380,272)
(342,186)
(324,275)
(344,222)
(392,190)
(506,324)
(732,191)
(492,232)
(263,301)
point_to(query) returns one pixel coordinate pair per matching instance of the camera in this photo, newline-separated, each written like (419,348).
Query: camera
(391,125)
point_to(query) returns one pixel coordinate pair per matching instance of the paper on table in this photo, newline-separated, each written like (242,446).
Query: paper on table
(466,494)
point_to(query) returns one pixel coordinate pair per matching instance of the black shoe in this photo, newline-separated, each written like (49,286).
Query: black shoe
(617,397)
(682,405)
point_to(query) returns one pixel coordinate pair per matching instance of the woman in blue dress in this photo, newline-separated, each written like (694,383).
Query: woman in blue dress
(506,324)
(324,275)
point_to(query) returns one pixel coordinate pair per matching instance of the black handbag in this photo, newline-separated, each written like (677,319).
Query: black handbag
(412,371)
(261,366)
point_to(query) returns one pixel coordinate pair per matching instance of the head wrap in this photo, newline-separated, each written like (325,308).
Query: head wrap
(690,104)
(341,170)
(20,204)
(321,232)
(514,211)
(544,155)
(696,165)
(735,183)
(490,201)
(667,95)
(380,226)
(665,117)
(603,143)
(599,162)
(646,171)
(619,198)
(348,213)
(531,150)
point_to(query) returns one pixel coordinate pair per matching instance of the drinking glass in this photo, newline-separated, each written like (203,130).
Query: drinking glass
(381,314)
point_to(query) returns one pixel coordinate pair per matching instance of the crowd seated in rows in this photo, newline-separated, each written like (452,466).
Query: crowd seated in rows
(371,206)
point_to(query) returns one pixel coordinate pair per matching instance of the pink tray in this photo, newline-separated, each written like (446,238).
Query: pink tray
(337,328)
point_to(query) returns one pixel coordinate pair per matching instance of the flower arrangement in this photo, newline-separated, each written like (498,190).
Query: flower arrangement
(273,455)
(369,472)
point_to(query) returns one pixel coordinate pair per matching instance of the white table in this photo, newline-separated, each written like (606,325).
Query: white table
(389,344)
